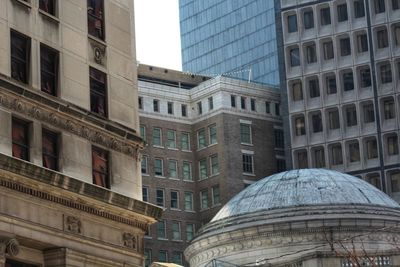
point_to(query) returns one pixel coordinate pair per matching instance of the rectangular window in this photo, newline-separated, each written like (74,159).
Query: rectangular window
(176,231)
(292,23)
(170,108)
(185,141)
(313,87)
(160,197)
(48,6)
(20,140)
(369,114)
(354,152)
(173,169)
(277,109)
(13,263)
(98,92)
(203,169)
(382,38)
(216,199)
(204,199)
(156,106)
(365,75)
(140,101)
(148,259)
(267,107)
(212,131)
(143,132)
(386,73)
(199,108)
(245,133)
(337,157)
(372,149)
(188,201)
(100,172)
(280,165)
(328,50)
(187,171)
(294,57)
(145,194)
(317,122)
(177,257)
(210,103)
(243,102)
(95,9)
(233,101)
(334,122)
(345,47)
(393,145)
(395,4)
(48,70)
(395,181)
(161,229)
(300,126)
(351,116)
(342,12)
(162,256)
(279,141)
(308,19)
(201,139)
(388,109)
(189,231)
(348,81)
(214,164)
(302,160)
(359,10)
(297,91)
(319,157)
(362,43)
(158,167)
(311,53)
(331,84)
(20,57)
(174,200)
(157,137)
(396,32)
(247,163)
(253,104)
(171,139)
(50,149)
(325,14)
(379,6)
(144,165)
(184,110)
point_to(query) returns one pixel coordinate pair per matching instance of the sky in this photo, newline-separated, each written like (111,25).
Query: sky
(157,33)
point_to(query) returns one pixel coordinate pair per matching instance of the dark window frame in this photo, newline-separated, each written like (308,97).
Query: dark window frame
(51,155)
(95,16)
(24,144)
(48,6)
(20,56)
(98,92)
(49,70)
(104,173)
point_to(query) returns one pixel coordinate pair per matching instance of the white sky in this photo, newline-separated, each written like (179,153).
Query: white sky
(157,33)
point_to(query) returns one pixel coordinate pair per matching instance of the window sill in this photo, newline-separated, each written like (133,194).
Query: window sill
(246,144)
(204,209)
(97,40)
(172,148)
(147,237)
(202,179)
(159,176)
(162,239)
(174,178)
(49,16)
(216,205)
(146,174)
(158,146)
(213,144)
(200,149)
(248,174)
(213,175)
(184,150)
(174,209)
(190,211)
(177,240)
(24,4)
(190,181)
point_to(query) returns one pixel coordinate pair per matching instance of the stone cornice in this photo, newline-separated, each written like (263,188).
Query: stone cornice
(68,117)
(27,178)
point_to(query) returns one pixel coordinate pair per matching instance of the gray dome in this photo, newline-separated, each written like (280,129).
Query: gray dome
(306,187)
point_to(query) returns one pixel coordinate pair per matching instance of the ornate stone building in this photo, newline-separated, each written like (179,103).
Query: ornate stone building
(70,181)
(309,217)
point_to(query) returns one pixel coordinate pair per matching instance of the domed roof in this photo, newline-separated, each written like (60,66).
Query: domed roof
(305,187)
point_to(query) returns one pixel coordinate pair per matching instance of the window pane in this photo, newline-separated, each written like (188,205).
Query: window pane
(100,167)
(245,133)
(96,18)
(48,70)
(342,12)
(20,57)
(20,145)
(201,139)
(50,149)
(295,57)
(325,16)
(48,6)
(308,19)
(187,171)
(98,101)
(292,23)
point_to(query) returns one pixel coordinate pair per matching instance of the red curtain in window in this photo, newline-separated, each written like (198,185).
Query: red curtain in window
(49,151)
(100,167)
(19,138)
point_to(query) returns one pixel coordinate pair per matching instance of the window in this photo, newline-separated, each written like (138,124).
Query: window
(351,116)
(359,10)
(48,70)
(374,179)
(299,125)
(161,229)
(280,165)
(395,4)
(345,47)
(20,57)
(243,102)
(176,231)
(319,157)
(214,164)
(245,133)
(158,167)
(395,181)
(331,84)
(277,109)
(317,122)
(388,109)
(354,152)
(20,142)
(140,100)
(279,141)
(302,159)
(308,19)
(157,137)
(267,107)
(96,18)
(325,14)
(386,73)
(173,168)
(162,256)
(145,194)
(204,199)
(189,231)
(369,115)
(328,50)
(148,259)
(392,145)
(201,139)
(98,92)
(177,257)
(365,76)
(348,81)
(188,201)
(13,263)
(160,197)
(174,200)
(313,86)
(170,108)
(382,38)
(362,43)
(203,169)
(210,103)
(48,6)
(336,154)
(253,104)
(144,165)
(187,171)
(342,12)
(333,117)
(100,171)
(379,6)
(143,132)
(247,163)
(372,149)
(185,141)
(294,57)
(50,149)
(156,106)
(184,110)
(212,131)
(292,23)
(297,91)
(233,101)
(171,139)
(216,199)
(396,34)
(311,53)
(199,108)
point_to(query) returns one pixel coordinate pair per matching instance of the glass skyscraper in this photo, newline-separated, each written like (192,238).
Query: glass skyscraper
(230,37)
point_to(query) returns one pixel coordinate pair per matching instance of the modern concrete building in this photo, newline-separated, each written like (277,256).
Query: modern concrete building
(70,181)
(230,37)
(311,217)
(340,76)
(206,139)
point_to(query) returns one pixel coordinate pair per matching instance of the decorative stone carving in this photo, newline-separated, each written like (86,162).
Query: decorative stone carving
(9,247)
(97,52)
(72,224)
(130,241)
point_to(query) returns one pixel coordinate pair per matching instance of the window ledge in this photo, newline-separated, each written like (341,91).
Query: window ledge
(174,178)
(172,148)
(202,179)
(213,175)
(249,174)
(216,205)
(147,237)
(213,144)
(175,209)
(23,3)
(162,239)
(190,181)
(177,240)
(190,211)
(246,144)
(204,209)
(160,176)
(96,39)
(49,16)
(200,149)
(158,146)
(184,150)
(145,174)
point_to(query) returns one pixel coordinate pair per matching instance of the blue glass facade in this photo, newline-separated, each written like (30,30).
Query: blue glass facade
(230,36)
